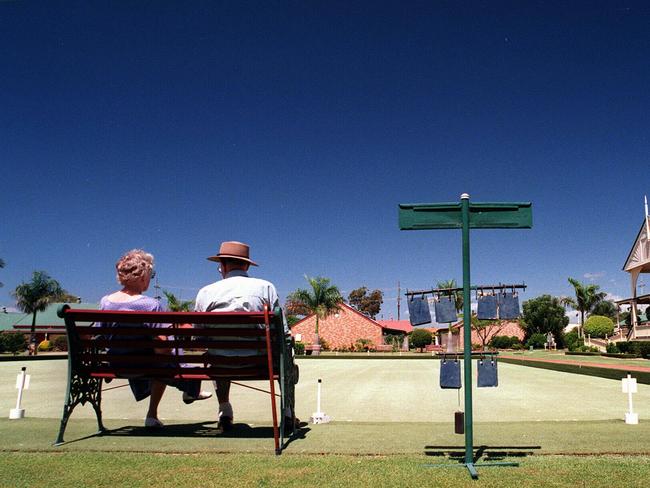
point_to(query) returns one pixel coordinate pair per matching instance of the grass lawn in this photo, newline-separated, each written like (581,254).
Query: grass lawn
(559,355)
(390,418)
(254,470)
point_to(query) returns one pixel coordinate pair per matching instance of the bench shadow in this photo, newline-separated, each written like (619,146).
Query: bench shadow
(206,430)
(481,453)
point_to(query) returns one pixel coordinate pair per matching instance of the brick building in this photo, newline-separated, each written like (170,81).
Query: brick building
(343,329)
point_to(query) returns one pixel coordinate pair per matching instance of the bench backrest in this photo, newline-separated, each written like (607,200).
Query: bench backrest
(124,343)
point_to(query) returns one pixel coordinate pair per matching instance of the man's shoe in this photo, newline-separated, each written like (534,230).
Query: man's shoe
(204,395)
(153,423)
(225,424)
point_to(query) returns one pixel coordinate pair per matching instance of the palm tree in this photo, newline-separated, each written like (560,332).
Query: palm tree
(322,300)
(2,265)
(174,304)
(587,297)
(458,295)
(36,295)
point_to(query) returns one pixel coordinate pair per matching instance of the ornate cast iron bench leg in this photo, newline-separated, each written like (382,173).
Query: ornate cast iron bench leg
(81,390)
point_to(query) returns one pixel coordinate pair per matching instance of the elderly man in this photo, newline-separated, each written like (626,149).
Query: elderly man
(238,292)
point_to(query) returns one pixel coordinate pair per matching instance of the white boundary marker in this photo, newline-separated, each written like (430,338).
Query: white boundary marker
(22,383)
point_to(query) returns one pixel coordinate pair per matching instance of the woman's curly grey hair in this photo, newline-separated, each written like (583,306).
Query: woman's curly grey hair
(133,266)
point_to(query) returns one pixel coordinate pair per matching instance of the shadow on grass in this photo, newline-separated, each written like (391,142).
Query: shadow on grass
(206,430)
(485,453)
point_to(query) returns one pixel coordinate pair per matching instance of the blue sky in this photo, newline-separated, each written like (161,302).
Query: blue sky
(299,127)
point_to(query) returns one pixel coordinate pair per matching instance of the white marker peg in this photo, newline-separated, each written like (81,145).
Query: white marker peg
(22,383)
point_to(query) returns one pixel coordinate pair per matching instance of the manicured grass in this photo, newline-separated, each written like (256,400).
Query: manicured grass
(538,354)
(244,470)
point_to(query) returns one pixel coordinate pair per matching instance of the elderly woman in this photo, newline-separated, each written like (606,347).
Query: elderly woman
(134,272)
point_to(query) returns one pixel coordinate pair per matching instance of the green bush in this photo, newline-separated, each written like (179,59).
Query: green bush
(13,342)
(504,342)
(44,345)
(420,338)
(60,343)
(537,341)
(599,326)
(363,345)
(639,348)
(572,341)
(612,348)
(298,347)
(500,342)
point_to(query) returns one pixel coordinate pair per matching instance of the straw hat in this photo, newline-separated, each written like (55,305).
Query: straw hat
(233,250)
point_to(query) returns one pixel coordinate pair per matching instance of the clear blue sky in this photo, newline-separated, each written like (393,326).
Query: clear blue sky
(298,127)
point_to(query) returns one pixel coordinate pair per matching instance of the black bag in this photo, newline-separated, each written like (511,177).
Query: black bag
(487,373)
(508,306)
(419,312)
(487,307)
(450,374)
(445,310)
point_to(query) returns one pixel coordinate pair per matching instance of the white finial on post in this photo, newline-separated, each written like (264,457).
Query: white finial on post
(464,196)
(647,224)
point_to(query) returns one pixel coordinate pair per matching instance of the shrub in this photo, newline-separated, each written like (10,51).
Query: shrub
(503,342)
(572,341)
(598,326)
(60,343)
(44,345)
(13,342)
(518,346)
(612,348)
(324,345)
(420,338)
(363,345)
(537,341)
(639,348)
(395,340)
(298,347)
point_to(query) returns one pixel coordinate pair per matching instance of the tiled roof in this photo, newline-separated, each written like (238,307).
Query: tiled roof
(401,325)
(8,319)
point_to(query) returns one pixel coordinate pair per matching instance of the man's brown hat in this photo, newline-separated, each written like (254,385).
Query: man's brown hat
(233,250)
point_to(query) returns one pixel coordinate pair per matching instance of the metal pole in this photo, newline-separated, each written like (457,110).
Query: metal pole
(467,332)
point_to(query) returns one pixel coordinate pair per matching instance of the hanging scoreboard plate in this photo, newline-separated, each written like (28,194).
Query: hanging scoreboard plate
(420,216)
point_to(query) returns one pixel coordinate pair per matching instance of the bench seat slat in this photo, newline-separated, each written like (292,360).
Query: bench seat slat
(204,344)
(85,315)
(176,373)
(169,331)
(162,359)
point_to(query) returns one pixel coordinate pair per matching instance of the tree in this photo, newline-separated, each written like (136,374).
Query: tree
(366,303)
(176,305)
(65,297)
(420,338)
(2,265)
(458,295)
(606,308)
(542,315)
(486,329)
(36,295)
(599,326)
(323,300)
(587,297)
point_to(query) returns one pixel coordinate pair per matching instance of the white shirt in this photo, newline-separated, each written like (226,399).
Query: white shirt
(237,292)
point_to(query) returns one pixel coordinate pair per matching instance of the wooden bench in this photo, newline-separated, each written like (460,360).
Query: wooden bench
(90,360)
